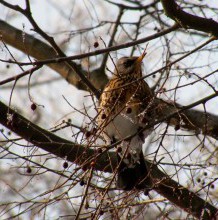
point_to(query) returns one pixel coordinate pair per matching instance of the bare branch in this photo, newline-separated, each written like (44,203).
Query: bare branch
(15,78)
(42,51)
(190,119)
(189,21)
(106,162)
(100,51)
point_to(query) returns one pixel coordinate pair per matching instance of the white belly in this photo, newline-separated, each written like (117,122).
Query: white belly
(121,127)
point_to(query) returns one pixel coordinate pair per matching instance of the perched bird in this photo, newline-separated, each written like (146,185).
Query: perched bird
(125,107)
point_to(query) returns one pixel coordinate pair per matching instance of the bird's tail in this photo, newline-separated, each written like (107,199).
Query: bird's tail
(133,177)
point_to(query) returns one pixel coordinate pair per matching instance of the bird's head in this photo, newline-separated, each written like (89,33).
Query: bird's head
(129,66)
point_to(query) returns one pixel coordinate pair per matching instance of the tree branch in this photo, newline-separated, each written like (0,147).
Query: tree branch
(193,120)
(106,162)
(189,21)
(42,51)
(100,51)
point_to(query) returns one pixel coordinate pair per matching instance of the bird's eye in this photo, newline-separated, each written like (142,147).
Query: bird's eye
(128,63)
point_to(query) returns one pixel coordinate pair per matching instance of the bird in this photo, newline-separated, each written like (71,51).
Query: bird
(125,108)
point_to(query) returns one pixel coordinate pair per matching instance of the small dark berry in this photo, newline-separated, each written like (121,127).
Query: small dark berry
(84,168)
(212,186)
(205,173)
(119,149)
(96,44)
(128,110)
(177,127)
(7,66)
(69,120)
(101,212)
(88,134)
(65,165)
(146,192)
(103,116)
(28,170)
(82,183)
(198,180)
(154,76)
(33,106)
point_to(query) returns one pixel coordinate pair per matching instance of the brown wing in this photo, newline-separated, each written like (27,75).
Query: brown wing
(116,97)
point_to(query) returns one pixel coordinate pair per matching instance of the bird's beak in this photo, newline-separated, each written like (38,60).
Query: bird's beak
(139,59)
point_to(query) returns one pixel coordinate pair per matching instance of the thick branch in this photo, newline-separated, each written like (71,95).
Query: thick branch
(189,21)
(46,54)
(190,119)
(42,51)
(107,162)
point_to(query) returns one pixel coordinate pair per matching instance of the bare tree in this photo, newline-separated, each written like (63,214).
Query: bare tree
(56,58)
